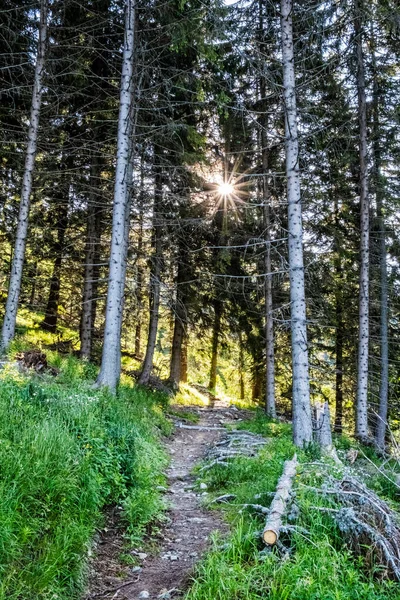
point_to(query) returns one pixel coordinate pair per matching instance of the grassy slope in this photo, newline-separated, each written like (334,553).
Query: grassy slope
(66,452)
(319,567)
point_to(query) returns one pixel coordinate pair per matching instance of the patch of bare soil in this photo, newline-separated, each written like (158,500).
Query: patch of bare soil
(166,573)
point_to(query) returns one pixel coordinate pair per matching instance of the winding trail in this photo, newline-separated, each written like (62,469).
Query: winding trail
(165,573)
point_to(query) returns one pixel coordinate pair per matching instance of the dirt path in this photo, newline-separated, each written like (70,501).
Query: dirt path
(165,573)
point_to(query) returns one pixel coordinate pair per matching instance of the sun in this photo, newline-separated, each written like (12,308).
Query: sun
(225,189)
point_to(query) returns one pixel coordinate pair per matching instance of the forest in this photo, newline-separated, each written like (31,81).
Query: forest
(200,267)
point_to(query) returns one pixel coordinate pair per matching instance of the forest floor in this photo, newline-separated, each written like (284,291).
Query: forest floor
(165,562)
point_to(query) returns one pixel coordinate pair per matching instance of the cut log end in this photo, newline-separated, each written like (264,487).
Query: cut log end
(278,504)
(270,537)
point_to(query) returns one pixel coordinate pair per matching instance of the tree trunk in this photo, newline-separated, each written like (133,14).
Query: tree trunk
(50,320)
(139,284)
(323,433)
(111,358)
(258,377)
(176,352)
(14,288)
(339,367)
(380,430)
(34,275)
(363,335)
(93,235)
(302,424)
(339,335)
(155,285)
(184,358)
(241,366)
(180,320)
(215,344)
(270,406)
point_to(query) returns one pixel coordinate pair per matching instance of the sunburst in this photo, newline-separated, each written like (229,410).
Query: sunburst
(230,190)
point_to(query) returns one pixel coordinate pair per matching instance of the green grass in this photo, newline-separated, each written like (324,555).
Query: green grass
(318,567)
(66,452)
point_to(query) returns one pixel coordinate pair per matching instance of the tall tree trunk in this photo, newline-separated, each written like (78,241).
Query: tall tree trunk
(50,320)
(14,288)
(33,276)
(363,335)
(302,424)
(139,294)
(93,235)
(139,281)
(270,406)
(257,382)
(184,358)
(111,357)
(339,333)
(241,366)
(380,430)
(180,313)
(215,344)
(339,340)
(176,352)
(155,285)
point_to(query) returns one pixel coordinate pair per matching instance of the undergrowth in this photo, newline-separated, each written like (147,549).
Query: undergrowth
(66,452)
(317,566)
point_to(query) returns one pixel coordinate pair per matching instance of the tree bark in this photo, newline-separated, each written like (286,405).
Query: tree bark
(339,334)
(34,275)
(176,352)
(323,425)
(258,380)
(241,366)
(180,320)
(93,236)
(380,430)
(363,336)
(339,368)
(184,358)
(50,320)
(14,288)
(111,357)
(302,424)
(155,284)
(270,406)
(139,281)
(215,345)
(278,504)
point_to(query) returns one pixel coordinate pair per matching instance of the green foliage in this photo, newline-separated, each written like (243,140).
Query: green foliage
(318,567)
(266,426)
(67,451)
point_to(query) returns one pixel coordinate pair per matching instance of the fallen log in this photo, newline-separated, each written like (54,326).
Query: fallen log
(278,505)
(198,427)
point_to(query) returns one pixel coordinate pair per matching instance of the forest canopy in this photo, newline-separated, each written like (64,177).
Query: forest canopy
(210,191)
